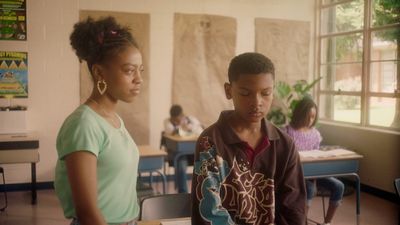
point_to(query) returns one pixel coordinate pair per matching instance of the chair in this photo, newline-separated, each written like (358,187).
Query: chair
(4,190)
(322,192)
(143,190)
(165,206)
(397,188)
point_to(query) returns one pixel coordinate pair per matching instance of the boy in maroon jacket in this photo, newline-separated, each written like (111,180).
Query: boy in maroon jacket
(246,170)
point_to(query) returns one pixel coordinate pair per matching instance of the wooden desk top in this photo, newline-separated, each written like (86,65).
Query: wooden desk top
(31,136)
(330,158)
(177,221)
(148,151)
(181,138)
(19,141)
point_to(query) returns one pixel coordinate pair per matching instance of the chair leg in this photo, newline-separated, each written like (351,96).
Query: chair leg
(5,190)
(151,179)
(323,206)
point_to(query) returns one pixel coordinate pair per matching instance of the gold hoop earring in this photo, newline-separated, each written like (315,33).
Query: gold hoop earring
(101,90)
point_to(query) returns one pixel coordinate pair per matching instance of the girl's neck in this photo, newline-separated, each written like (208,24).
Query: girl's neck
(304,129)
(105,102)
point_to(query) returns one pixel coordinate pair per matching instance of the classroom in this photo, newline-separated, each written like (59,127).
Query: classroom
(191,82)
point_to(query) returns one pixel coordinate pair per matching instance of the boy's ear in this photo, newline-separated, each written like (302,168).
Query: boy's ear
(228,90)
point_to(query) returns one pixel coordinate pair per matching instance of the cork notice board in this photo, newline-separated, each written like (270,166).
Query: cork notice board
(203,48)
(286,43)
(135,114)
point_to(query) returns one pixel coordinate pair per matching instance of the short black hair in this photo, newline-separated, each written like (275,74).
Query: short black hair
(301,113)
(97,40)
(250,63)
(175,111)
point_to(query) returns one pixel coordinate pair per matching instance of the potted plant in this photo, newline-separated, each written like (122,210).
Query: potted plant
(286,98)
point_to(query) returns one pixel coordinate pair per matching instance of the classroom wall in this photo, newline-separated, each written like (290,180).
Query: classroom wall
(381,151)
(53,71)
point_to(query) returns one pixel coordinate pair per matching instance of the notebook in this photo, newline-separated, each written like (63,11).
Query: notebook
(324,154)
(180,221)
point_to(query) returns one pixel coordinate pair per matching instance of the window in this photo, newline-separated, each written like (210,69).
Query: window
(359,61)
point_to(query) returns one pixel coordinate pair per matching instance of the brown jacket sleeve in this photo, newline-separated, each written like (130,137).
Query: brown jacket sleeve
(206,202)
(196,218)
(290,196)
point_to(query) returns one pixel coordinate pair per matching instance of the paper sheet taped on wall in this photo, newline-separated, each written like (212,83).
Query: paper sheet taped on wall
(324,154)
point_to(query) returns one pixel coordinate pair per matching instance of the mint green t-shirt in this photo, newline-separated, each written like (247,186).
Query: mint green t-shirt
(117,164)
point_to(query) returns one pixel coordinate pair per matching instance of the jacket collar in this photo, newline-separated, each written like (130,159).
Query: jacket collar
(229,135)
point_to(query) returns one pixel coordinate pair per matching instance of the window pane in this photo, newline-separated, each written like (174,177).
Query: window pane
(325,2)
(383,46)
(384,76)
(340,108)
(345,77)
(385,12)
(342,17)
(382,111)
(347,48)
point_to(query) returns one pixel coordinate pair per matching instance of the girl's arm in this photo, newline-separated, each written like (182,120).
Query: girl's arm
(82,175)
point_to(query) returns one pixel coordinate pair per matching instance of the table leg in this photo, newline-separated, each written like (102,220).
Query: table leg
(358,197)
(176,158)
(176,165)
(33,183)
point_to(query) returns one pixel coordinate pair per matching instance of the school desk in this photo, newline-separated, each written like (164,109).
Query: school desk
(334,166)
(152,160)
(176,221)
(21,148)
(180,146)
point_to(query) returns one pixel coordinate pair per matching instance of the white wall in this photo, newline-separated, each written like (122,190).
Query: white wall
(381,151)
(54,69)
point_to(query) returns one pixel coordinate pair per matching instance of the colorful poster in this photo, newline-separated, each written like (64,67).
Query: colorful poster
(13,74)
(12,20)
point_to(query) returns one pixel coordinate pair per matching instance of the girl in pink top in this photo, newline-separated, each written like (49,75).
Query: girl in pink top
(307,137)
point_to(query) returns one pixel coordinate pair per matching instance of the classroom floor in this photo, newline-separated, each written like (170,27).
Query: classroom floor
(374,210)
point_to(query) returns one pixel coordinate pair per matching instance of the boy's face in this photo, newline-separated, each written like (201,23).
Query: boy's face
(177,120)
(252,96)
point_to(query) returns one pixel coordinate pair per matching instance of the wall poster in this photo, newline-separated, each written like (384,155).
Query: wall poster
(203,47)
(13,20)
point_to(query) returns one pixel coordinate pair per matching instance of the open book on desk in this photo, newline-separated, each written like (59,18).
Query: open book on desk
(182,222)
(325,154)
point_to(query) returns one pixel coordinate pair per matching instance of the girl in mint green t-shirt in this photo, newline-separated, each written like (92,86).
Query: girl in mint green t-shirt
(96,170)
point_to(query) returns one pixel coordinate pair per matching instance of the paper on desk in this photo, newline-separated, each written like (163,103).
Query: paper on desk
(324,154)
(341,152)
(176,222)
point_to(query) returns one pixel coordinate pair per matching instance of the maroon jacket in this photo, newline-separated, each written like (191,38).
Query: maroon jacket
(228,190)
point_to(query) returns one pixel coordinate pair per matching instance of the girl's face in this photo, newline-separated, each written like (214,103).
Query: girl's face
(252,96)
(123,75)
(312,115)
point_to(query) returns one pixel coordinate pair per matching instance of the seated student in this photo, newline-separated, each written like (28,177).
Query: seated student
(179,123)
(246,170)
(307,137)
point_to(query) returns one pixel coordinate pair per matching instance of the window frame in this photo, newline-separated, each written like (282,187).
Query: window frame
(365,93)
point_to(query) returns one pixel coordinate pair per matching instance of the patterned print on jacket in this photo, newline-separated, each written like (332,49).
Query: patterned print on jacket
(231,195)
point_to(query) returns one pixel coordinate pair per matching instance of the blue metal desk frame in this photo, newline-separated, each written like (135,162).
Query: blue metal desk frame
(179,147)
(152,163)
(344,166)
